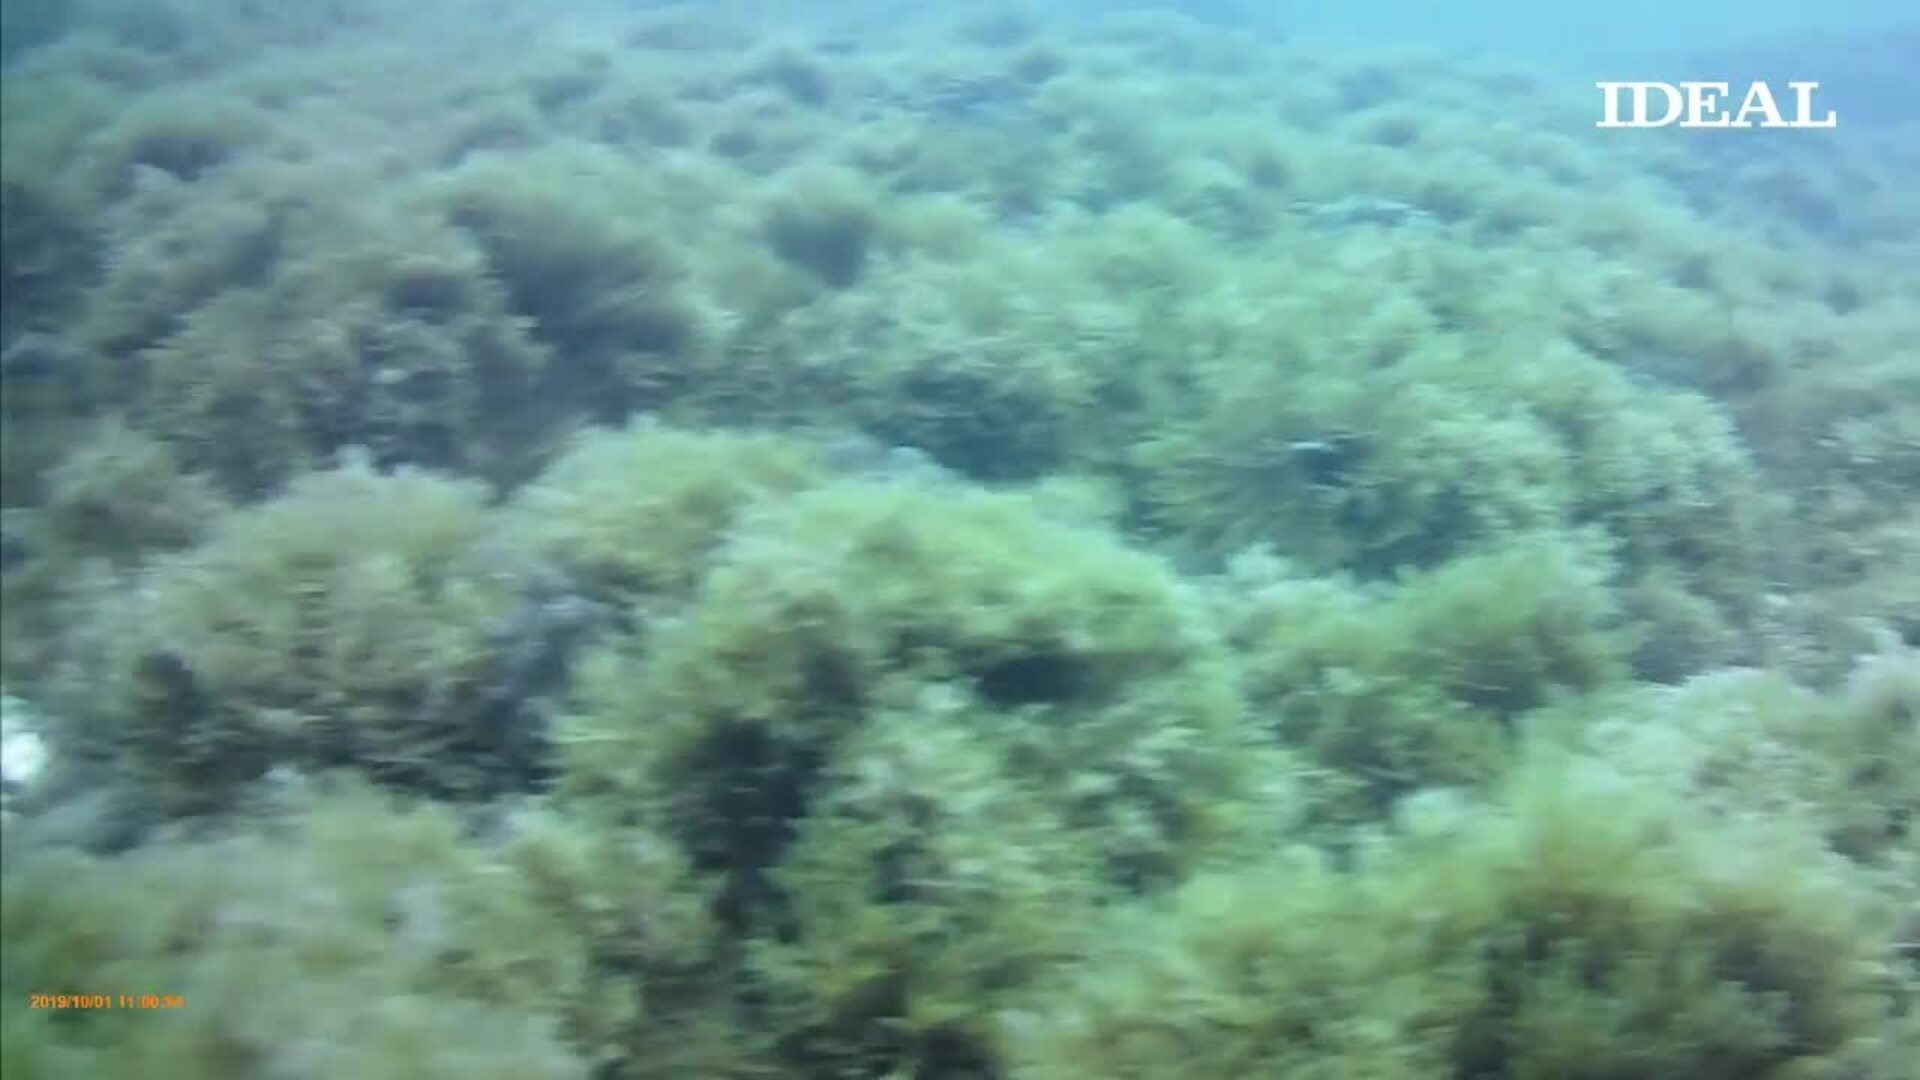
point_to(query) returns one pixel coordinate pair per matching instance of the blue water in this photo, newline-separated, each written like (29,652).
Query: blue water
(1864,53)
(1618,31)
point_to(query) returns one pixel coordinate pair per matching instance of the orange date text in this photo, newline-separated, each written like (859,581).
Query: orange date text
(106,1001)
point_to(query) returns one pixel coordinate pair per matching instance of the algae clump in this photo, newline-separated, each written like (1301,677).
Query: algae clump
(354,621)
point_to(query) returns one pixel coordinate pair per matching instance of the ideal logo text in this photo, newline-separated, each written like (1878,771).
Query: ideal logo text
(1708,105)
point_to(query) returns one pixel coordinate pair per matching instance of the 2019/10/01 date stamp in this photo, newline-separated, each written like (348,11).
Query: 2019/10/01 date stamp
(106,1001)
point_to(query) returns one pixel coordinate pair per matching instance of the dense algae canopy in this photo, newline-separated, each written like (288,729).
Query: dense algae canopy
(632,542)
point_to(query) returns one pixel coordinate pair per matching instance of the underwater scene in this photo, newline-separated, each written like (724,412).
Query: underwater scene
(997,541)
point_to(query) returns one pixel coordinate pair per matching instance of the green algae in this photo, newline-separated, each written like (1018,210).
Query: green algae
(1311,595)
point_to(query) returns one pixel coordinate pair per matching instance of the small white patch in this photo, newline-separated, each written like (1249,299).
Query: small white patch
(23,751)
